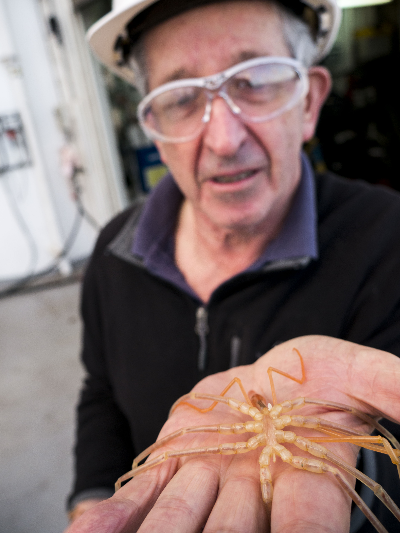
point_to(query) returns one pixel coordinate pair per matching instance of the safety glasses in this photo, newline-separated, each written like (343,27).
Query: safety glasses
(256,90)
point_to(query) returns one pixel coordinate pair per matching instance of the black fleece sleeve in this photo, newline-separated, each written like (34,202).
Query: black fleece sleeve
(103,450)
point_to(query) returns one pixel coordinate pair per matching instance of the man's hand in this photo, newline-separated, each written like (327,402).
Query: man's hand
(82,507)
(222,493)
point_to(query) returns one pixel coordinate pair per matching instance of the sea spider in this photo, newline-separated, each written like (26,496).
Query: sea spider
(268,423)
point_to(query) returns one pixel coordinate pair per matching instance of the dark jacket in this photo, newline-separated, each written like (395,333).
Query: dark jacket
(141,344)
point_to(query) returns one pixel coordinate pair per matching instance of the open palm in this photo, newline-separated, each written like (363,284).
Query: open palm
(222,492)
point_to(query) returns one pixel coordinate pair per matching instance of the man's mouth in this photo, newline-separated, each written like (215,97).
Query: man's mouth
(232,178)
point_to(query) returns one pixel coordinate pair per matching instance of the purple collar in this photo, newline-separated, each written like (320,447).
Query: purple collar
(294,247)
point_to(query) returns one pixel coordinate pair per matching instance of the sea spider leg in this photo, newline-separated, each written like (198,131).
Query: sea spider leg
(312,465)
(244,407)
(238,427)
(359,414)
(227,429)
(267,489)
(313,422)
(289,405)
(375,487)
(222,449)
(375,443)
(182,399)
(297,380)
(322,452)
(339,433)
(301,402)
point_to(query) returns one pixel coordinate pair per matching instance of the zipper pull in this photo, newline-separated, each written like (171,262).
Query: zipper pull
(201,328)
(235,351)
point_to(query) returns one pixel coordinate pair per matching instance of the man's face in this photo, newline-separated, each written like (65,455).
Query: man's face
(234,175)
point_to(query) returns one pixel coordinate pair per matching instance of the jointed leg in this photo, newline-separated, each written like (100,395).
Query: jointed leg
(227,448)
(394,454)
(377,489)
(357,499)
(191,396)
(319,467)
(297,403)
(330,427)
(375,443)
(272,369)
(359,414)
(266,479)
(314,422)
(322,452)
(340,433)
(243,407)
(225,429)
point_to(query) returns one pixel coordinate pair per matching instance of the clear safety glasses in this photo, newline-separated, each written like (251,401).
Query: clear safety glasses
(256,90)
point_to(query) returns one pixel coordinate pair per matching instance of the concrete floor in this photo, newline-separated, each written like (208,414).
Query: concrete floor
(39,382)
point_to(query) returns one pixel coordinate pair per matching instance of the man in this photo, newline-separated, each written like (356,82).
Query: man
(239,249)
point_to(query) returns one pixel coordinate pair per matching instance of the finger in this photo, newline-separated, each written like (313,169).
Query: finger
(239,506)
(333,367)
(127,509)
(305,502)
(186,502)
(109,516)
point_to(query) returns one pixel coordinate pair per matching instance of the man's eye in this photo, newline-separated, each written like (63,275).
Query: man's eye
(249,88)
(183,100)
(243,83)
(179,101)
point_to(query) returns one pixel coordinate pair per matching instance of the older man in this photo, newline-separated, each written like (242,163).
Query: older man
(238,249)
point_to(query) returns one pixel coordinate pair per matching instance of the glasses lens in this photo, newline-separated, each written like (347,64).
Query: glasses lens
(175,113)
(256,93)
(264,91)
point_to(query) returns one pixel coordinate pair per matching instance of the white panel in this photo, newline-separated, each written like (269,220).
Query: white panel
(28,225)
(37,209)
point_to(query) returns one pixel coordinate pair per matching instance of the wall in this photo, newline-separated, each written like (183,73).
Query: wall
(52,86)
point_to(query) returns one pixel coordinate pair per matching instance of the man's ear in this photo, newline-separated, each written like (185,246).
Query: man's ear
(320,86)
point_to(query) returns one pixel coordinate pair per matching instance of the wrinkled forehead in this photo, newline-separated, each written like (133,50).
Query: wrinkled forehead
(210,39)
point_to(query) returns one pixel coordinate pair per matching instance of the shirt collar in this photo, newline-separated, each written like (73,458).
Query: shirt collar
(295,245)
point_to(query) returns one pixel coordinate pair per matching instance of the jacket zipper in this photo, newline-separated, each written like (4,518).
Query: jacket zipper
(201,328)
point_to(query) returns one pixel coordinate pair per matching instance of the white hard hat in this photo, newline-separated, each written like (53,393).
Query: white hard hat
(107,33)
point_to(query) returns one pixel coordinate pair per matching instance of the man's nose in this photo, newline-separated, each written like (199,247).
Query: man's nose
(224,132)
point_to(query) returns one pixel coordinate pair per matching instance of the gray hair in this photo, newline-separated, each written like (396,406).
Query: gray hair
(298,36)
(296,32)
(137,62)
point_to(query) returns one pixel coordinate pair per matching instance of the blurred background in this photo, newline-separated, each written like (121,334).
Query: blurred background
(71,156)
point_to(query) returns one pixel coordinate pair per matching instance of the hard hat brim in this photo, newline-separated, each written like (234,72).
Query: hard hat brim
(104,33)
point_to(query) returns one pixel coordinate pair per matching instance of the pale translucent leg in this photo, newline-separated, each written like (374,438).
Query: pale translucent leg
(243,407)
(375,443)
(297,403)
(297,380)
(266,479)
(225,429)
(377,489)
(339,432)
(322,452)
(224,449)
(191,395)
(356,499)
(337,429)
